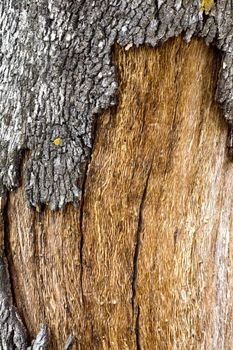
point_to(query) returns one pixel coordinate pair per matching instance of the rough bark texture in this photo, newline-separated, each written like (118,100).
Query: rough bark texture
(56,75)
(144,261)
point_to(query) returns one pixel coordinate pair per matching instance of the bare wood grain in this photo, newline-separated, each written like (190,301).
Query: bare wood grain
(145,261)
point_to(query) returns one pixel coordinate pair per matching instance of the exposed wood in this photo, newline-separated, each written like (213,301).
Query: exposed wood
(144,262)
(13,334)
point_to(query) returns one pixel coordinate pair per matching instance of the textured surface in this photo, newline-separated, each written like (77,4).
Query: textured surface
(56,74)
(13,334)
(144,262)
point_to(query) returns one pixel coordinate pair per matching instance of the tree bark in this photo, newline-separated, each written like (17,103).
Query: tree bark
(144,261)
(57,75)
(139,256)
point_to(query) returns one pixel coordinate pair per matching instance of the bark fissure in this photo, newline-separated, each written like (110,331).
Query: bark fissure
(137,330)
(81,218)
(138,239)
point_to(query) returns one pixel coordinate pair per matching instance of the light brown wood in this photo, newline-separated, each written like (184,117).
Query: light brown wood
(145,261)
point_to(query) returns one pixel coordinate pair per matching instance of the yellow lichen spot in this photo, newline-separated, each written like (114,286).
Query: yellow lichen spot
(57,141)
(206,6)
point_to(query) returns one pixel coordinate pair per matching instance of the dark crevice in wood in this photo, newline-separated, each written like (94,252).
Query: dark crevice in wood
(138,240)
(137,330)
(81,212)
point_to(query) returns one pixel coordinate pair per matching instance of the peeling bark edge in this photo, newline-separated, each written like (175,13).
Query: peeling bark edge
(56,76)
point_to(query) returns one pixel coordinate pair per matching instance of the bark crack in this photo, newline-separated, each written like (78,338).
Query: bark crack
(136,257)
(137,330)
(81,215)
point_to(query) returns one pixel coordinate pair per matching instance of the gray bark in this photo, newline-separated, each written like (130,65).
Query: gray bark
(13,333)
(56,75)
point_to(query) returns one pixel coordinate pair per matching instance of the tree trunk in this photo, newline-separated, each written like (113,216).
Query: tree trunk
(143,261)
